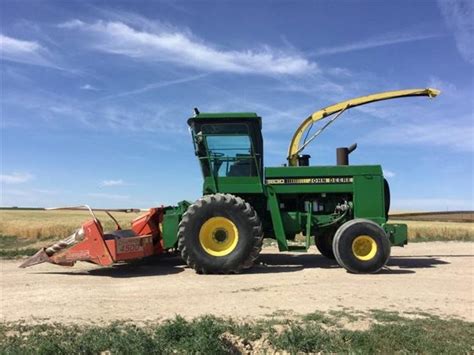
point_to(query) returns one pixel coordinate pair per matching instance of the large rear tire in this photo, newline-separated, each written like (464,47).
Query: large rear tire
(324,244)
(361,246)
(220,233)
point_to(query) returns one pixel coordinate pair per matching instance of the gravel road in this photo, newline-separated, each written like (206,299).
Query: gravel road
(434,277)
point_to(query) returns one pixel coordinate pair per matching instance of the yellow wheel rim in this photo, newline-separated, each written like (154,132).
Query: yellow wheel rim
(218,236)
(364,247)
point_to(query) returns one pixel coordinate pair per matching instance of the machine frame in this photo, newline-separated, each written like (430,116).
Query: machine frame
(344,207)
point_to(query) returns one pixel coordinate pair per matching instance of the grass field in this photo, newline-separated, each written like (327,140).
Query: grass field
(455,216)
(40,225)
(24,231)
(423,231)
(334,332)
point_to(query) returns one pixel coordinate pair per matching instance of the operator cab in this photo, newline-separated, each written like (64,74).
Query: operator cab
(228,144)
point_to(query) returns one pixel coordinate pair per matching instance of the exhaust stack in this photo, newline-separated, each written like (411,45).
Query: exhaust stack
(342,154)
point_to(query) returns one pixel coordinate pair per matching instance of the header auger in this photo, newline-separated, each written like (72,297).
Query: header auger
(343,207)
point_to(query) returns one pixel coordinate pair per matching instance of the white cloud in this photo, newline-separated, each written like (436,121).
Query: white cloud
(164,44)
(109,196)
(46,191)
(16,178)
(89,87)
(339,72)
(12,45)
(318,87)
(388,173)
(373,42)
(453,135)
(73,24)
(27,52)
(446,87)
(382,112)
(154,86)
(59,110)
(459,17)
(108,183)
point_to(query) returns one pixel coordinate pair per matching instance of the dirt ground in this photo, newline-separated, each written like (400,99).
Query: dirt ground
(434,277)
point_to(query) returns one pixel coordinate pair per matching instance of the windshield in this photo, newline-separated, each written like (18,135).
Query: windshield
(228,145)
(226,150)
(231,155)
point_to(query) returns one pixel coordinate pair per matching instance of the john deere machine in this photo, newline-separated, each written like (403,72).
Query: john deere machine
(343,208)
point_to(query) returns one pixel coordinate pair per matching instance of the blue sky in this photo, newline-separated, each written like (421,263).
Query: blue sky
(95,94)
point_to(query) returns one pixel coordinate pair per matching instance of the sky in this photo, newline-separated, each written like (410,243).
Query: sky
(95,94)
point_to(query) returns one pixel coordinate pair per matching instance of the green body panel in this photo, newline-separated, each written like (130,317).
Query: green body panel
(322,171)
(171,218)
(233,185)
(363,186)
(369,198)
(398,233)
(308,200)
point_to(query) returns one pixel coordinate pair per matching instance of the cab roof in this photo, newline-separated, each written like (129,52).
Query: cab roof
(250,117)
(224,115)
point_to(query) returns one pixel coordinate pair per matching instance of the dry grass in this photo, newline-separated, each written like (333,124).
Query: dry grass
(41,225)
(456,216)
(432,230)
(36,226)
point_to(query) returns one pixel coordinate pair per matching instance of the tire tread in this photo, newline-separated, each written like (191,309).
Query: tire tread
(227,199)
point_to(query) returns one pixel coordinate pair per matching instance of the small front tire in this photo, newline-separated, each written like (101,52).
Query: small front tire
(361,246)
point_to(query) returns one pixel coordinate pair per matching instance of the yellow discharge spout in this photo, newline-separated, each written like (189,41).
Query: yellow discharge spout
(294,149)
